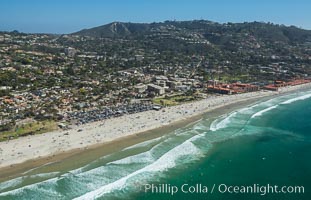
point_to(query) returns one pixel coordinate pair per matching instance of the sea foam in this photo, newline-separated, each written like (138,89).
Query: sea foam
(166,161)
(259,113)
(144,144)
(17,181)
(222,122)
(297,99)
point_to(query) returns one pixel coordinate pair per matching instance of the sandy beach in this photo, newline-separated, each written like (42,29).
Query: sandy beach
(86,136)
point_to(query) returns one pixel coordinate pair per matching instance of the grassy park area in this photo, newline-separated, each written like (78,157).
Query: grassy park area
(31,128)
(173,100)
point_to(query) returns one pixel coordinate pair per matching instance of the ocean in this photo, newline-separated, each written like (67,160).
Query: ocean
(244,154)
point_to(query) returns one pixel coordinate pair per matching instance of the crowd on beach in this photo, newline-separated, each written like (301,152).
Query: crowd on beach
(110,129)
(83,117)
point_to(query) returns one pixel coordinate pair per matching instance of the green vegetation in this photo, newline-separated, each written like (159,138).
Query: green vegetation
(32,128)
(40,79)
(173,100)
(233,78)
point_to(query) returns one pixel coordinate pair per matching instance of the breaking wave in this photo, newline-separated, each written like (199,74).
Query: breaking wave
(166,161)
(145,161)
(222,122)
(259,113)
(297,99)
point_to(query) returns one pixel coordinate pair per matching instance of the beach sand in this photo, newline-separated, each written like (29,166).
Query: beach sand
(113,134)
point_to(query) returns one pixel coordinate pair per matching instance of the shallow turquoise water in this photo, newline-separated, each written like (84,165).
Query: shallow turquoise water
(266,143)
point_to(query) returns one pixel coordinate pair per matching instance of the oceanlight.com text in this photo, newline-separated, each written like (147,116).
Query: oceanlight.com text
(260,189)
(223,189)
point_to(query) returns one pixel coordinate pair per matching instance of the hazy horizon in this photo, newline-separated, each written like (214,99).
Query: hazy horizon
(147,23)
(62,17)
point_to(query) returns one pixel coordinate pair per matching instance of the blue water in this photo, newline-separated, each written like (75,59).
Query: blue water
(266,143)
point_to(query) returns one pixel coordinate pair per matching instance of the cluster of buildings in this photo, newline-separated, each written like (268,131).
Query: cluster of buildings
(237,88)
(79,79)
(161,85)
(278,84)
(234,88)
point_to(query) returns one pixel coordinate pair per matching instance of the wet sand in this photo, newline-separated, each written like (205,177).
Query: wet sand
(79,157)
(69,159)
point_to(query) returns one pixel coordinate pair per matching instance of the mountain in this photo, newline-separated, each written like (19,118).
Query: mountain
(115,29)
(214,32)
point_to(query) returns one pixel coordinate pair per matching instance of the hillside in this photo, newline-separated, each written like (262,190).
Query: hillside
(214,32)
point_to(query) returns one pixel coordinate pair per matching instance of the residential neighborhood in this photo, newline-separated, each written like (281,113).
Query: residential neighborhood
(79,78)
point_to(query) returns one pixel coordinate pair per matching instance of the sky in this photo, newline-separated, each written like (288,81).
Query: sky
(67,16)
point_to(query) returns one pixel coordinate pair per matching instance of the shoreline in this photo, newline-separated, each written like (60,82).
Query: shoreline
(60,161)
(114,134)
